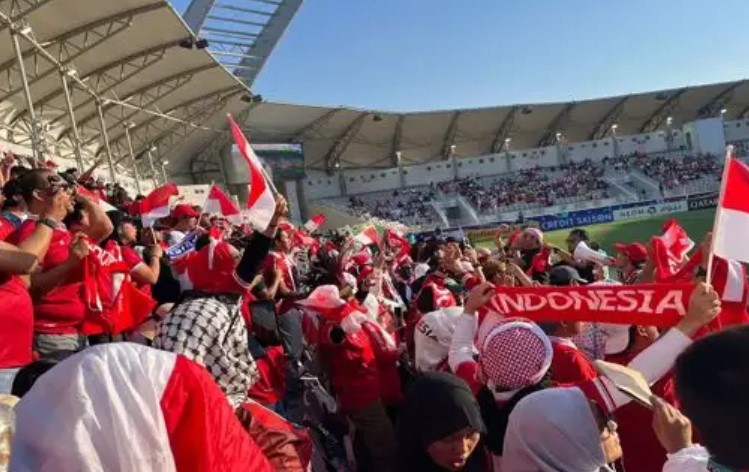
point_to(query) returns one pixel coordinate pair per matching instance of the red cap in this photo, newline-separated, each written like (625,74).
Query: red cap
(183,210)
(636,252)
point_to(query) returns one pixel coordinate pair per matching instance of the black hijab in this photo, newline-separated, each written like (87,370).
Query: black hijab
(437,405)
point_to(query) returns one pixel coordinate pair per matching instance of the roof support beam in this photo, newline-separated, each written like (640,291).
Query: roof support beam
(395,148)
(333,156)
(68,46)
(449,140)
(228,32)
(557,125)
(211,151)
(610,118)
(147,95)
(18,9)
(196,14)
(235,20)
(226,6)
(718,103)
(143,132)
(504,130)
(313,128)
(271,34)
(743,113)
(105,78)
(662,113)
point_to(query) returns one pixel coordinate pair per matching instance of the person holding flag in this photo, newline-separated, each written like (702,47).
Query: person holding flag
(60,308)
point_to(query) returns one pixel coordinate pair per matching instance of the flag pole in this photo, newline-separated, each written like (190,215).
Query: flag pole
(716,221)
(205,200)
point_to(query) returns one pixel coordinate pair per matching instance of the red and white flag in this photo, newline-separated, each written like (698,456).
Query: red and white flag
(217,202)
(671,249)
(261,203)
(732,218)
(156,204)
(81,190)
(315,222)
(368,236)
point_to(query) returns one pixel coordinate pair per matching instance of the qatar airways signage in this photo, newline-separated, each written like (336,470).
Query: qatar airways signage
(661,305)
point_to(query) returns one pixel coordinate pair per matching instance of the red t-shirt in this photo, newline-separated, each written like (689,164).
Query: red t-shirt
(16,323)
(569,365)
(6,228)
(642,450)
(61,310)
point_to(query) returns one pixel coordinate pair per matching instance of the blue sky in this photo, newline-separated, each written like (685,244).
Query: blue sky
(410,55)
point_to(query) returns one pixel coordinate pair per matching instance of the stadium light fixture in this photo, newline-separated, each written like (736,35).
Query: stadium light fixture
(166,163)
(723,111)
(201,43)
(669,120)
(508,140)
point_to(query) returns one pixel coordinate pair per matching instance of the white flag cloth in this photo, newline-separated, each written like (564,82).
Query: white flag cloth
(261,203)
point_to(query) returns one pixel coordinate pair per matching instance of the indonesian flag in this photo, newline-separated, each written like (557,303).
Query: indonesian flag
(671,249)
(732,218)
(315,222)
(217,202)
(156,204)
(163,405)
(94,197)
(368,236)
(261,203)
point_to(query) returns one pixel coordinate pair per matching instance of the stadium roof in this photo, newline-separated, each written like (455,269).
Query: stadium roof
(241,33)
(137,57)
(367,138)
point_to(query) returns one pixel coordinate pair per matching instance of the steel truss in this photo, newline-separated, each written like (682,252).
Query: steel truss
(144,97)
(602,128)
(106,78)
(333,156)
(242,37)
(661,114)
(55,56)
(557,125)
(449,140)
(209,159)
(504,130)
(65,48)
(715,106)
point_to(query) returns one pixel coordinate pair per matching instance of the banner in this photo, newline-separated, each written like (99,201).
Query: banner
(703,201)
(661,305)
(573,219)
(651,210)
(193,195)
(186,246)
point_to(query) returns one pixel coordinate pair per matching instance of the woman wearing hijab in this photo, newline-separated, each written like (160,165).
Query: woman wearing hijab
(440,428)
(560,430)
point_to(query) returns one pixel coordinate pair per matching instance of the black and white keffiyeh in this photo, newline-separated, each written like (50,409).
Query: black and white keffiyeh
(211,332)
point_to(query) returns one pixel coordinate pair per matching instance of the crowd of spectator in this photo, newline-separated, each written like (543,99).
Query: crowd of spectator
(539,186)
(409,205)
(668,171)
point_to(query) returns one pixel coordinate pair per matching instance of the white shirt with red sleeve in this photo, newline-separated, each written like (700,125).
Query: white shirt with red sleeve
(653,363)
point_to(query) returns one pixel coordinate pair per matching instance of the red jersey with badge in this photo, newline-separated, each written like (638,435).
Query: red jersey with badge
(61,310)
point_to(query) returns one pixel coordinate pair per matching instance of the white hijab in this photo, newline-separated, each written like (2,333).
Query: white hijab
(553,430)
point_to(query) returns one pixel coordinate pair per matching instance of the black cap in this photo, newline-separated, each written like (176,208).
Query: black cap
(562,276)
